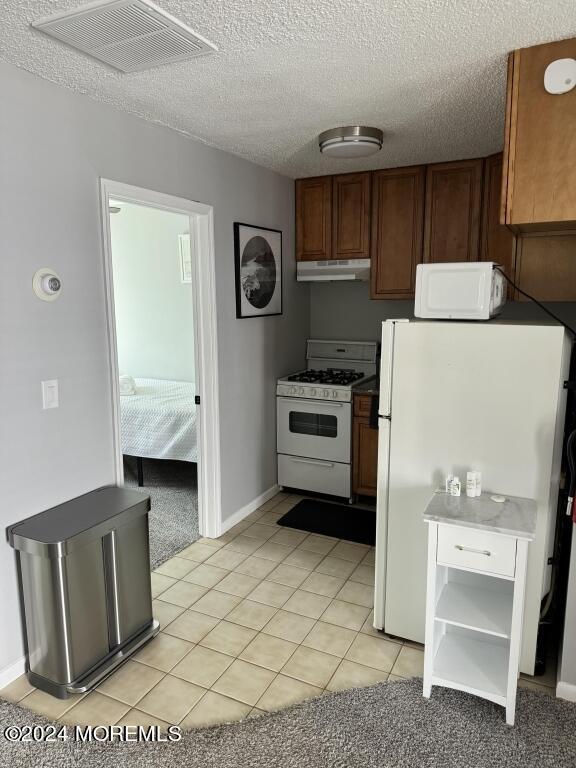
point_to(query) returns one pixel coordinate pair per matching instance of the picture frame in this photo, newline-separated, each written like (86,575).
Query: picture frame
(258,269)
(185,258)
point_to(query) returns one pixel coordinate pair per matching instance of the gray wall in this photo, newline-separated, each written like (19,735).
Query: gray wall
(153,307)
(345,311)
(54,146)
(567,668)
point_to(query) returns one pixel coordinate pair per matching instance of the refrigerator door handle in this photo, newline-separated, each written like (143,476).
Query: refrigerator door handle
(386,364)
(384,425)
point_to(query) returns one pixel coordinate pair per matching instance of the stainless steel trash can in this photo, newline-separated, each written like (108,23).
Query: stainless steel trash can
(85,587)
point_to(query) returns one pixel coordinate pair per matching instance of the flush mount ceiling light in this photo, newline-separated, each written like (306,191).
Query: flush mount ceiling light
(129,35)
(351,141)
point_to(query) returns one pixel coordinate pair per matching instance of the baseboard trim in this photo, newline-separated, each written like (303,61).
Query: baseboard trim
(566,691)
(11,672)
(247,509)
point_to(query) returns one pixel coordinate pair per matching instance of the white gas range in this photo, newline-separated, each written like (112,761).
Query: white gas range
(314,409)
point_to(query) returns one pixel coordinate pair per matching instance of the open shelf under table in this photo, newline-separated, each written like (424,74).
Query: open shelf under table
(479,667)
(476,607)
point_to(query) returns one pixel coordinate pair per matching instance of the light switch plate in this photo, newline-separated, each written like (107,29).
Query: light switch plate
(50,394)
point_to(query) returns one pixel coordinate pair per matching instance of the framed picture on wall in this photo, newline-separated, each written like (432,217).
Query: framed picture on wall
(185,258)
(258,260)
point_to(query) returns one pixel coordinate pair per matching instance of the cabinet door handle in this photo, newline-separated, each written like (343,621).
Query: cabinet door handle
(471,549)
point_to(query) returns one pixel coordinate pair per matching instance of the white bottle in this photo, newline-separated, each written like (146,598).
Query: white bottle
(448,483)
(471,484)
(455,486)
(478,483)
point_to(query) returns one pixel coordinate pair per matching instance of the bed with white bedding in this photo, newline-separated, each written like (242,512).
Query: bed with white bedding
(158,421)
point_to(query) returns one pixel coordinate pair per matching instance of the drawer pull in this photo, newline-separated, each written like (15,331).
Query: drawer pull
(327,464)
(471,549)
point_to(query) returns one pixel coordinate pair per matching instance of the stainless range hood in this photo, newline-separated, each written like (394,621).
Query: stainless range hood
(333,269)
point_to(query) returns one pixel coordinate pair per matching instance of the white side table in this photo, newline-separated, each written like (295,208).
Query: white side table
(477,555)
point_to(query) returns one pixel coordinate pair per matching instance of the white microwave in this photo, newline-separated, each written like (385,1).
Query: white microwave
(472,290)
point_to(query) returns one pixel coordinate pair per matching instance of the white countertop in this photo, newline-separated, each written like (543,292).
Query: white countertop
(514,517)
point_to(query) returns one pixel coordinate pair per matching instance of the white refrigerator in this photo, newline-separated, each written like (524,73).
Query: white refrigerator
(457,396)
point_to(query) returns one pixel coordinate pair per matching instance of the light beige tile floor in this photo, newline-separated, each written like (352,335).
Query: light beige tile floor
(257,620)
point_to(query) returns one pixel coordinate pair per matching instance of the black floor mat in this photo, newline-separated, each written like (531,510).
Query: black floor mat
(337,520)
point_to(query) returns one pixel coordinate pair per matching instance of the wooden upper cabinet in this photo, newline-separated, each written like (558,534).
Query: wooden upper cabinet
(351,216)
(546,266)
(498,242)
(452,215)
(397,229)
(314,219)
(539,187)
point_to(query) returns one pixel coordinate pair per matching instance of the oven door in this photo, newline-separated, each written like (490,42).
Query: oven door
(316,429)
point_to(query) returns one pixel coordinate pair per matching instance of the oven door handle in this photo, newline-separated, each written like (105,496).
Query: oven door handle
(327,464)
(311,402)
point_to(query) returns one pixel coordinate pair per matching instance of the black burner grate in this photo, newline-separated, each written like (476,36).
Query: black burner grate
(341,376)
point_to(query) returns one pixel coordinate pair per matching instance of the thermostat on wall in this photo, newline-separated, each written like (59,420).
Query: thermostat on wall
(46,284)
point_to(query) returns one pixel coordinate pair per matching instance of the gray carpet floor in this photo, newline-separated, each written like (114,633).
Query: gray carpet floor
(388,725)
(173,489)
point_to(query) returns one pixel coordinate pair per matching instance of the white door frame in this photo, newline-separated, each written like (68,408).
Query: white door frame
(205,332)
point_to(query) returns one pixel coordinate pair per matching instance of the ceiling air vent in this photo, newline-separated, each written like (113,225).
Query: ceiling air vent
(129,35)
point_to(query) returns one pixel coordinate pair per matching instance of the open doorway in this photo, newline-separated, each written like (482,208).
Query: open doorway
(154,313)
(158,251)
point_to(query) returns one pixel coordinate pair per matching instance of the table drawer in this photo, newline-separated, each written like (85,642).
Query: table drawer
(461,547)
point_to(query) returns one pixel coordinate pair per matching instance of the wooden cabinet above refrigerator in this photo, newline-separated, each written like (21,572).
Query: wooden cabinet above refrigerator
(453,205)
(539,190)
(397,226)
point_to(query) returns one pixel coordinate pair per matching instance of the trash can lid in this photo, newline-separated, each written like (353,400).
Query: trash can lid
(56,531)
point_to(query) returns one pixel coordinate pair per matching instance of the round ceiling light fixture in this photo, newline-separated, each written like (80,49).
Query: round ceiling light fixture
(351,141)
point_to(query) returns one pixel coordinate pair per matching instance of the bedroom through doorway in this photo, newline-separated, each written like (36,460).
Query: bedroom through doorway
(154,316)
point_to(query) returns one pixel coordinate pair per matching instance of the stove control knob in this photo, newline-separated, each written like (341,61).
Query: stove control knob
(301,390)
(335,394)
(313,392)
(292,390)
(326,393)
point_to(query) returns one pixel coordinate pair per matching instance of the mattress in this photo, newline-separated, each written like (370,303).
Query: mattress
(159,421)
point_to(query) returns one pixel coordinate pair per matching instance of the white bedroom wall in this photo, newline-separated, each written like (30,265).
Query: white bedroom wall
(54,147)
(154,309)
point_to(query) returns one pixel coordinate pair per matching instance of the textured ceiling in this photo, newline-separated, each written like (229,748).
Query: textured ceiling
(430,73)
